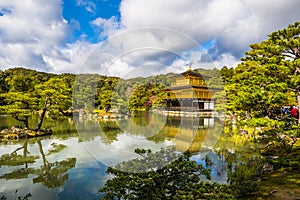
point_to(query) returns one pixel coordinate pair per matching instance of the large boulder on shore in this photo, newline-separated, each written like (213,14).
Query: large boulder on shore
(19,132)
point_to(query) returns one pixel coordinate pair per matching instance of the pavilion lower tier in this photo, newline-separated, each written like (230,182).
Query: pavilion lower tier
(190,104)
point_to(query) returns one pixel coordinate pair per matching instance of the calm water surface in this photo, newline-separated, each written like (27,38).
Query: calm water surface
(71,163)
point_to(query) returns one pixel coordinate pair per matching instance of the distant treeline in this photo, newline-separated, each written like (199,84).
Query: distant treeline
(90,91)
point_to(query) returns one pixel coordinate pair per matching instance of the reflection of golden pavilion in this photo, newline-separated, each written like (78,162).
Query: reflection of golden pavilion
(190,93)
(190,134)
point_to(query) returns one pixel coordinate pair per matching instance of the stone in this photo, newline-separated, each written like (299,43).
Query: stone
(266,168)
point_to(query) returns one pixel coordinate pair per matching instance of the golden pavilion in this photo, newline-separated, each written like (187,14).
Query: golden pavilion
(189,92)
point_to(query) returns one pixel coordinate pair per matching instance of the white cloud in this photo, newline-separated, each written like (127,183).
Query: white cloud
(30,31)
(201,20)
(70,58)
(234,24)
(89,5)
(126,54)
(75,24)
(151,37)
(106,27)
(264,18)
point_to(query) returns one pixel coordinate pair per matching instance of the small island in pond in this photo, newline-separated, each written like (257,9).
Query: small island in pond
(19,132)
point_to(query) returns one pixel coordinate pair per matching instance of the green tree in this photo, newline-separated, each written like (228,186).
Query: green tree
(4,87)
(85,94)
(17,92)
(19,105)
(22,80)
(162,175)
(55,97)
(52,96)
(138,97)
(108,90)
(226,74)
(267,78)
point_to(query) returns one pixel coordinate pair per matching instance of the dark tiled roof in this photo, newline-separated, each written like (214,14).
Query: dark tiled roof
(190,72)
(190,87)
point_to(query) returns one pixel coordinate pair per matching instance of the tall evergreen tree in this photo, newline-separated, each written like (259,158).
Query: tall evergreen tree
(268,77)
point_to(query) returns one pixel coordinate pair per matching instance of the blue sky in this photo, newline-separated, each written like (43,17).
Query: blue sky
(141,37)
(79,14)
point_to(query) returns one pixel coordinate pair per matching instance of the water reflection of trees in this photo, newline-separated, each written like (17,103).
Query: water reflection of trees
(145,125)
(16,159)
(110,131)
(185,133)
(50,174)
(88,130)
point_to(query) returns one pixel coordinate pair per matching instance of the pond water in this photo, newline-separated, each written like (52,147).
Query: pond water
(71,163)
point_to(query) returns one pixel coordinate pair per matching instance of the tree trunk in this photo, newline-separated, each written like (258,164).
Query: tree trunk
(24,120)
(39,126)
